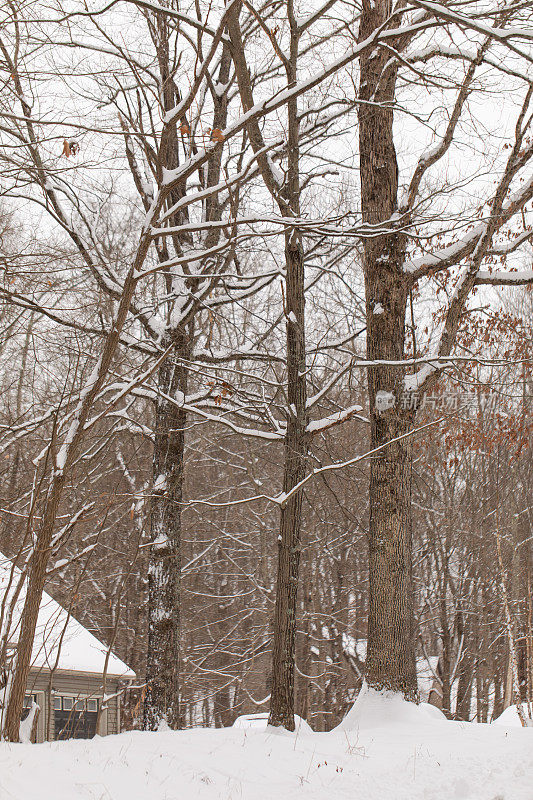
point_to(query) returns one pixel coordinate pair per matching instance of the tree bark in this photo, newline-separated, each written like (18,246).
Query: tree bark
(289,541)
(32,603)
(162,702)
(522,573)
(296,438)
(391,640)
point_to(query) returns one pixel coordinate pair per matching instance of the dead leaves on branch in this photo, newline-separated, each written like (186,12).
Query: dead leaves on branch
(217,135)
(213,134)
(70,147)
(224,389)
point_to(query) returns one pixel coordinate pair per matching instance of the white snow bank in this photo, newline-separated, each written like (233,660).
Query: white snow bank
(432,711)
(383,709)
(260,721)
(510,718)
(416,758)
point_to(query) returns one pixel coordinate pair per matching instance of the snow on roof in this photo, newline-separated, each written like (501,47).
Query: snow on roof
(61,642)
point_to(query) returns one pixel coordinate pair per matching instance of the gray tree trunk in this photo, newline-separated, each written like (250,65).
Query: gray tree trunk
(162,703)
(296,437)
(282,692)
(391,640)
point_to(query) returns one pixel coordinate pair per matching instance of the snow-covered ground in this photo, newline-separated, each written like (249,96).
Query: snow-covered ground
(385,750)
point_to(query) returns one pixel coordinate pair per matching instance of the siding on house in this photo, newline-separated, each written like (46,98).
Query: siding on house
(67,660)
(78,685)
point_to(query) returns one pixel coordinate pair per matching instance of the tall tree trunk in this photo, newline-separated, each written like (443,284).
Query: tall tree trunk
(296,439)
(391,640)
(303,646)
(162,703)
(287,197)
(30,613)
(465,667)
(282,692)
(522,581)
(465,685)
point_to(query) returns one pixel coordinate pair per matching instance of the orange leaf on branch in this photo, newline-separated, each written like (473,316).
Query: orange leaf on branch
(70,147)
(217,135)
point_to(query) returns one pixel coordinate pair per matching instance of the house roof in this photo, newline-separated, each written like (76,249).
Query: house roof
(61,642)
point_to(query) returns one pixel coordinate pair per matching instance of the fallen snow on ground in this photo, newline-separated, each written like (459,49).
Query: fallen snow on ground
(261,721)
(385,749)
(511,718)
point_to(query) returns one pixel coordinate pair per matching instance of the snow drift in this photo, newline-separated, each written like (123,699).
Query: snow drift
(383,750)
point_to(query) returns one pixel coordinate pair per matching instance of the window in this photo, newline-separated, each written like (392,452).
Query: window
(75,718)
(26,705)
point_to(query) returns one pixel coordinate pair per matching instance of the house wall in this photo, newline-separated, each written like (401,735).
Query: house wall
(78,685)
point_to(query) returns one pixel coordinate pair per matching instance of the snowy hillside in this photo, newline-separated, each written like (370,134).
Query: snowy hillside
(384,750)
